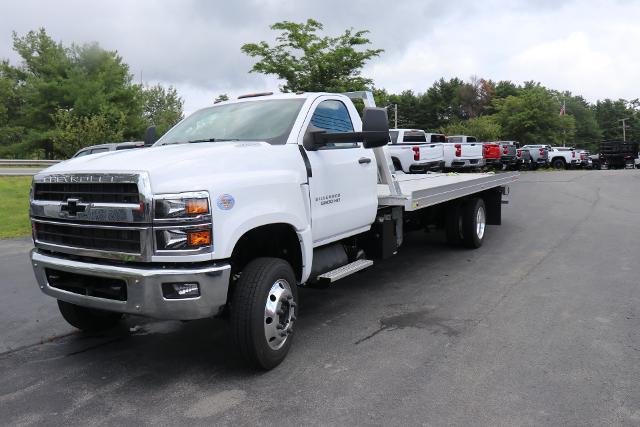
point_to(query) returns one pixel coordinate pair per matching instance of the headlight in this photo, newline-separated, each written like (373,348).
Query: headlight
(179,238)
(181,208)
(182,223)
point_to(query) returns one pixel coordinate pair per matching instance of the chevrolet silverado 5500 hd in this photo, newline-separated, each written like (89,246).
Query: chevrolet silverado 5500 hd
(414,151)
(235,207)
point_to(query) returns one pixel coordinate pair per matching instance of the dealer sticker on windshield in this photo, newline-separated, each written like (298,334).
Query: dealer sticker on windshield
(225,202)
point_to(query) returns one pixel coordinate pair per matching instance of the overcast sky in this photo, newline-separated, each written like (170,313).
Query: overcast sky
(588,47)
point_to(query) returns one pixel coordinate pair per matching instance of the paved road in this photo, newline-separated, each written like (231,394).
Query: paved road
(541,326)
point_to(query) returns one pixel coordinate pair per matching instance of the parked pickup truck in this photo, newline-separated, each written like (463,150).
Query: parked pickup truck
(491,153)
(539,155)
(102,148)
(583,159)
(508,154)
(562,157)
(463,152)
(236,206)
(414,151)
(523,159)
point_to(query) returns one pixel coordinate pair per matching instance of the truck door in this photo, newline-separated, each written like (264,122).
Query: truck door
(343,185)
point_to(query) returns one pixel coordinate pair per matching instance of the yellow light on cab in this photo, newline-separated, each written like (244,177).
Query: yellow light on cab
(196,206)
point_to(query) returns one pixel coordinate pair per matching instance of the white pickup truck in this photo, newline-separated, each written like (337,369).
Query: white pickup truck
(233,208)
(414,151)
(562,157)
(463,152)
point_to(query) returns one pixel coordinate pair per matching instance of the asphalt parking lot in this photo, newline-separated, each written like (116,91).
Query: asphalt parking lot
(540,326)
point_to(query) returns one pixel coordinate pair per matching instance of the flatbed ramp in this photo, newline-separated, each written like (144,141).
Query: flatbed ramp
(422,190)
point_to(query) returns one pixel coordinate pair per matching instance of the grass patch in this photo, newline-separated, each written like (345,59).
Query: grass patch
(14,206)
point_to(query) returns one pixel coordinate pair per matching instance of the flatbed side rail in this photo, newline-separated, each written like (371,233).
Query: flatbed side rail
(420,198)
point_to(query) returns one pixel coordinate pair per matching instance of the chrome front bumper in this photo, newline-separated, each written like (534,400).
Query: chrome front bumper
(144,287)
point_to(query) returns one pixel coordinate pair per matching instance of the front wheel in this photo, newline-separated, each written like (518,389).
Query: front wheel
(264,310)
(474,222)
(558,164)
(88,319)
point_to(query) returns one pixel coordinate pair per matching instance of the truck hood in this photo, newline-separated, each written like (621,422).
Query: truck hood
(187,167)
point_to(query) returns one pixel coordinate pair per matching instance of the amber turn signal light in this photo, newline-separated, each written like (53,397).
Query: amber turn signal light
(199,238)
(196,206)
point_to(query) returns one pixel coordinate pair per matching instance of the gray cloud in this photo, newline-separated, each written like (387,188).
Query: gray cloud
(195,44)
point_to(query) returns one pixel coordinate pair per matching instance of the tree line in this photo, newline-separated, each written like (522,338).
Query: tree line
(60,98)
(529,112)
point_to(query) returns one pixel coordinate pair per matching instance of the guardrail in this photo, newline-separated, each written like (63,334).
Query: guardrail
(27,163)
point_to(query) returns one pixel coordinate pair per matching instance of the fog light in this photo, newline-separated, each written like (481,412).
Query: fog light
(180,290)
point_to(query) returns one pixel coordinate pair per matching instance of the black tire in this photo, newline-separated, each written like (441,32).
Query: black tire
(453,224)
(534,166)
(250,297)
(88,319)
(558,164)
(473,211)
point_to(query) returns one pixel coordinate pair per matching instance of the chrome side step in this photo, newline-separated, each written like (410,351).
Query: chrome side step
(345,270)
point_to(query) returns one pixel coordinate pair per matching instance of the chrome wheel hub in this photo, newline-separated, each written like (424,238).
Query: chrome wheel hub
(279,314)
(480,222)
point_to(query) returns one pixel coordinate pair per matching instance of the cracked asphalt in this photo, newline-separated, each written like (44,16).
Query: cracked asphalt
(540,326)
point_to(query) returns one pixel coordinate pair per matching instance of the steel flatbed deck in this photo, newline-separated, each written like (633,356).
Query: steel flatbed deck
(419,191)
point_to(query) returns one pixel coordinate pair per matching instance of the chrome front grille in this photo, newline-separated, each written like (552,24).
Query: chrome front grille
(111,192)
(116,239)
(96,215)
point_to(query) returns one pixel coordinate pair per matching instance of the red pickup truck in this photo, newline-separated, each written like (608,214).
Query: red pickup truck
(492,153)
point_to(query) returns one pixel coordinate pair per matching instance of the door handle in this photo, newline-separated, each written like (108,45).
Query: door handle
(364,160)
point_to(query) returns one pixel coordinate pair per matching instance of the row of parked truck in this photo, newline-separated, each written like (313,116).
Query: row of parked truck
(416,151)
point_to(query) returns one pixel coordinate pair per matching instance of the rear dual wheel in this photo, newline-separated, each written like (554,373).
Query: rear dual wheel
(465,223)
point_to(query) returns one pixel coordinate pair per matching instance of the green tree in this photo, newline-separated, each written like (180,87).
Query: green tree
(587,131)
(608,114)
(441,103)
(162,107)
(485,128)
(55,87)
(309,62)
(533,118)
(74,132)
(505,88)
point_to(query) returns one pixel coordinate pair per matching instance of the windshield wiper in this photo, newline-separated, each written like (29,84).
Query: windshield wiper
(212,140)
(195,141)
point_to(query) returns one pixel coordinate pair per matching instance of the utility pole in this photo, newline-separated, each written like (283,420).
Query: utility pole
(395,107)
(624,128)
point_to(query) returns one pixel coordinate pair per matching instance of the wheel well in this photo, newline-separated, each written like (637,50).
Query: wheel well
(273,240)
(558,158)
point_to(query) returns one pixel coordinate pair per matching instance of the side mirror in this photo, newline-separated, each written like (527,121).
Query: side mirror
(311,140)
(150,136)
(375,127)
(375,132)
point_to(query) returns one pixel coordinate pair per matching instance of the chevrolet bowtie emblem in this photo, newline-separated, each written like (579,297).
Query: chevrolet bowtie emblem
(72,207)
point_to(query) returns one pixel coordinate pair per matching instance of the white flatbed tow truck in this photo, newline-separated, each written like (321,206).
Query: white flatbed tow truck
(234,208)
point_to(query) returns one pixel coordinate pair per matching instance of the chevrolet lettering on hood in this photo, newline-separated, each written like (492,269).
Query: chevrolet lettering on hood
(87,178)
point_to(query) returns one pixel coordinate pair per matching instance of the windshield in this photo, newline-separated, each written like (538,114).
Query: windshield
(269,120)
